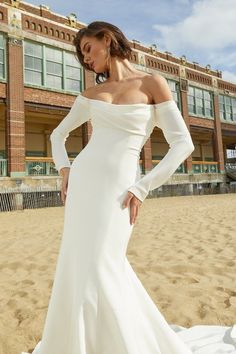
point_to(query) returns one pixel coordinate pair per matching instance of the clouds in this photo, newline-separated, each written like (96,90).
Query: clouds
(207,34)
(229,76)
(210,26)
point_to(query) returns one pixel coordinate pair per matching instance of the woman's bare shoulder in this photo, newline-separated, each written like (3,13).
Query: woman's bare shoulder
(155,85)
(89,92)
(158,87)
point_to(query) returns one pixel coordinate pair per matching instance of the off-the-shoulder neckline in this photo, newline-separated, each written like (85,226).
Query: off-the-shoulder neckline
(154,105)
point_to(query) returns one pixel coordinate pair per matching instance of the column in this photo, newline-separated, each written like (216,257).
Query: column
(217,136)
(146,156)
(15,115)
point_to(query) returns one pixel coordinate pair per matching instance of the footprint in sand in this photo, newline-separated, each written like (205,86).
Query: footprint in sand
(132,253)
(227,303)
(30,266)
(21,315)
(231,300)
(230,292)
(220,288)
(27,282)
(43,267)
(12,303)
(20,293)
(204,309)
(164,306)
(184,281)
(225,290)
(155,288)
(230,263)
(12,266)
(195,293)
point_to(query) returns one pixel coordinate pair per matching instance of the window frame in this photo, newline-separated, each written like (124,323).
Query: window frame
(224,102)
(64,86)
(199,94)
(3,77)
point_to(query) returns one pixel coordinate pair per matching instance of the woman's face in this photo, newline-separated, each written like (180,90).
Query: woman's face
(94,52)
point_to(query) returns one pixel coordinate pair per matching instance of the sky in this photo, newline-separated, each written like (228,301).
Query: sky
(202,30)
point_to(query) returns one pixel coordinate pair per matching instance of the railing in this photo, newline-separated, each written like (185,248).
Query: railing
(205,166)
(198,166)
(29,198)
(3,167)
(180,169)
(44,166)
(41,166)
(230,166)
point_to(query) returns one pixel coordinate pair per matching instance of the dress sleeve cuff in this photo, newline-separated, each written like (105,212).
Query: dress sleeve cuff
(139,193)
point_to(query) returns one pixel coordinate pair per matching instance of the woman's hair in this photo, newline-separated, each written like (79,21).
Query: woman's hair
(119,46)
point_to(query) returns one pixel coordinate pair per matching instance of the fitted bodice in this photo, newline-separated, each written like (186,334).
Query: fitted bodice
(122,129)
(119,131)
(135,119)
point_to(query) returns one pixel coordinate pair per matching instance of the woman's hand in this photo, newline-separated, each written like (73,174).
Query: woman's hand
(134,203)
(64,172)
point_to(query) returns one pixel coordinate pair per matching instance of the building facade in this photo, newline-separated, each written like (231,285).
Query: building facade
(40,77)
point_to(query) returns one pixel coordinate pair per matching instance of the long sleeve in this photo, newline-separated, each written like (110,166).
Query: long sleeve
(78,114)
(169,119)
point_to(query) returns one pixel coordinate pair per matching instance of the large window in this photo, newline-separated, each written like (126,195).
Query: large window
(54,68)
(227,108)
(2,56)
(72,73)
(33,55)
(174,87)
(51,67)
(200,102)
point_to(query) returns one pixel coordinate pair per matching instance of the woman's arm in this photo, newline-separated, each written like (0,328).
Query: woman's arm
(169,119)
(78,114)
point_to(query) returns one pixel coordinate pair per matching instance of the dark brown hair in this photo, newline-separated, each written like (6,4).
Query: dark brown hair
(119,46)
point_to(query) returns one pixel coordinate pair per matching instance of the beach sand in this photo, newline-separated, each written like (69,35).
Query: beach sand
(183,250)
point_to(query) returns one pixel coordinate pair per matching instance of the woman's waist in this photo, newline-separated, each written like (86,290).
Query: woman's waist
(109,158)
(110,151)
(120,143)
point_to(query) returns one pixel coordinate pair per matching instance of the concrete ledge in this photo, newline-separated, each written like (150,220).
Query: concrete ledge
(54,182)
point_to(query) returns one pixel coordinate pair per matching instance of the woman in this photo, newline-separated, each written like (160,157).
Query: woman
(98,305)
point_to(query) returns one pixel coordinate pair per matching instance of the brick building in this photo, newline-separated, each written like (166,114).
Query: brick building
(40,78)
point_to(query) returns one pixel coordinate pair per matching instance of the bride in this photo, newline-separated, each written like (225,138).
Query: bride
(98,305)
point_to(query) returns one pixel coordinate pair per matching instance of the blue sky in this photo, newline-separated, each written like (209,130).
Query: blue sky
(202,30)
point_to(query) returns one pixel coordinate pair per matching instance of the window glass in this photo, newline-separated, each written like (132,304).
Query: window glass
(51,67)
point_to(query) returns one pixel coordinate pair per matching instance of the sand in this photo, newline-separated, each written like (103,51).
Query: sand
(183,249)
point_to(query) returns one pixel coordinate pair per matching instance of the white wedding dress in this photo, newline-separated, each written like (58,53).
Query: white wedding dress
(98,304)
